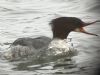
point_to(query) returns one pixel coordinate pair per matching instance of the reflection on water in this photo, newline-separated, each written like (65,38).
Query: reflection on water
(61,66)
(30,18)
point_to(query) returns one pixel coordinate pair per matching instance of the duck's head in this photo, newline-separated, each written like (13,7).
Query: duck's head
(62,26)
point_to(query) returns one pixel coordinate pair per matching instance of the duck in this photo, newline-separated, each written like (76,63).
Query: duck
(44,46)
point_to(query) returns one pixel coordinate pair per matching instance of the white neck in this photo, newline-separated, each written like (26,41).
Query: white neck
(59,43)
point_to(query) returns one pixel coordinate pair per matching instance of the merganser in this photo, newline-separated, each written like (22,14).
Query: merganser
(44,46)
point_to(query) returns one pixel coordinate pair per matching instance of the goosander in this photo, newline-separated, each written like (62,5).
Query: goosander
(44,46)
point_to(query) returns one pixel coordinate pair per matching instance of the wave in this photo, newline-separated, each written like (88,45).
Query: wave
(51,5)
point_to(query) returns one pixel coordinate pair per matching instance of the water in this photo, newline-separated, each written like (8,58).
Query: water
(30,18)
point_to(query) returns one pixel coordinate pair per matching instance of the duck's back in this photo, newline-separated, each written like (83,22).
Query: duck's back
(26,47)
(37,43)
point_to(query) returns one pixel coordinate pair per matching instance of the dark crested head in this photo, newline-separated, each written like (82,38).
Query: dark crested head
(62,26)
